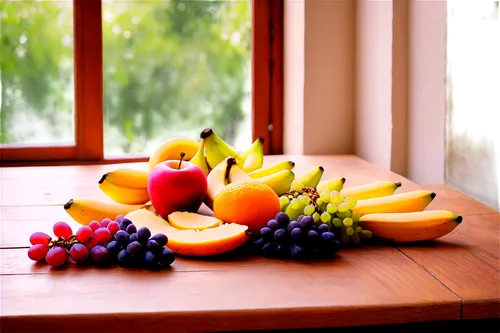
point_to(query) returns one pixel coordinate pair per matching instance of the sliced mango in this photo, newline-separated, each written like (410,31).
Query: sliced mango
(198,243)
(192,221)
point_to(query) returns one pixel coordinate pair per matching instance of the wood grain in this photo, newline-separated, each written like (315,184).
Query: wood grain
(241,293)
(467,262)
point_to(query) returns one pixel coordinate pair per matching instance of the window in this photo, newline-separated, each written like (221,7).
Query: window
(109,80)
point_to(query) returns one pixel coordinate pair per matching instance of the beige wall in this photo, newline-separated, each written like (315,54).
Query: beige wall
(319,77)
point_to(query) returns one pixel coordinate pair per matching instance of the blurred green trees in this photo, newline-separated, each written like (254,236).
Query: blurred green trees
(170,68)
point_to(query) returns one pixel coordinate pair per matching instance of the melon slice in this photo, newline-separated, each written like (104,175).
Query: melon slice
(192,221)
(199,243)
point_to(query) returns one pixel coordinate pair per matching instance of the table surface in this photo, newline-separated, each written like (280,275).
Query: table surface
(453,278)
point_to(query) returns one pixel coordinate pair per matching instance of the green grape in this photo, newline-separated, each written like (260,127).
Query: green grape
(344,237)
(316,216)
(331,208)
(284,202)
(349,231)
(295,203)
(347,222)
(325,196)
(366,234)
(319,202)
(336,198)
(304,199)
(336,222)
(355,216)
(309,210)
(359,229)
(342,207)
(354,239)
(343,215)
(351,202)
(326,217)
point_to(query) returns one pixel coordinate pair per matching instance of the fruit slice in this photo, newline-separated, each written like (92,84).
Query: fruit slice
(192,221)
(207,242)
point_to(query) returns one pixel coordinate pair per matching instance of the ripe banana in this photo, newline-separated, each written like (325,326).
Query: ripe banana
(370,190)
(413,201)
(85,211)
(200,160)
(171,149)
(130,178)
(311,177)
(217,179)
(253,158)
(411,227)
(333,184)
(280,181)
(262,172)
(216,149)
(124,195)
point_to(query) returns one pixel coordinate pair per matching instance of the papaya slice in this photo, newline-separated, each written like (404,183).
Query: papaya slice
(192,221)
(189,242)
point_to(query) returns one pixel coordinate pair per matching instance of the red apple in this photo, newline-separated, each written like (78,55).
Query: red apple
(176,186)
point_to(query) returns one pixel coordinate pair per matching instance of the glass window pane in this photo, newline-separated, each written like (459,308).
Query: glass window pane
(173,68)
(36,71)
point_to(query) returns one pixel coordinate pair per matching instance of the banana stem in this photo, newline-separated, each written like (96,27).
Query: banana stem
(180,161)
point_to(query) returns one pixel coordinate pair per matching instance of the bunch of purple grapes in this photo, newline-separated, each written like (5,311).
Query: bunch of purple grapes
(299,240)
(102,243)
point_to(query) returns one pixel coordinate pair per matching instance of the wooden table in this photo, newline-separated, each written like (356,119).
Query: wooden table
(452,279)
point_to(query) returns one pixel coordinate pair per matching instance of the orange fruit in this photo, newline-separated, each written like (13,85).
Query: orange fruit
(249,203)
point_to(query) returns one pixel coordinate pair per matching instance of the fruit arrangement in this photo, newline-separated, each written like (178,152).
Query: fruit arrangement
(102,244)
(205,198)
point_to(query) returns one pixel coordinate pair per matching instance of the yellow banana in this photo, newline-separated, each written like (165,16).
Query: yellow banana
(411,227)
(333,184)
(280,181)
(236,174)
(370,190)
(171,149)
(85,211)
(311,177)
(124,195)
(413,201)
(199,158)
(130,178)
(217,179)
(262,172)
(216,149)
(253,158)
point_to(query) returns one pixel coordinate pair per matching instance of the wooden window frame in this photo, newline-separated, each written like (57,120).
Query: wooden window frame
(267,90)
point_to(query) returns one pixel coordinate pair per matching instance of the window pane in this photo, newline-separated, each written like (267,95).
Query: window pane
(173,68)
(36,71)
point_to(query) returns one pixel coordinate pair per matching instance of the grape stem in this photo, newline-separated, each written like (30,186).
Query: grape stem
(62,242)
(311,192)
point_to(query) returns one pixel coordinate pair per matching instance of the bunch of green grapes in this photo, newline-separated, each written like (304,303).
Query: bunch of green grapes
(328,207)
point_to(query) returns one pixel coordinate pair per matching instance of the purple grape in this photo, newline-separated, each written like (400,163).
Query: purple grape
(38,252)
(134,238)
(281,251)
(84,233)
(266,232)
(300,218)
(153,245)
(39,238)
(119,218)
(94,225)
(280,235)
(323,228)
(57,256)
(296,233)
(134,248)
(113,227)
(102,235)
(151,261)
(131,229)
(124,258)
(257,245)
(162,239)
(312,235)
(62,229)
(122,237)
(327,237)
(282,219)
(293,225)
(79,253)
(99,255)
(306,223)
(90,243)
(297,252)
(125,223)
(143,234)
(267,249)
(272,224)
(167,257)
(114,248)
(105,222)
